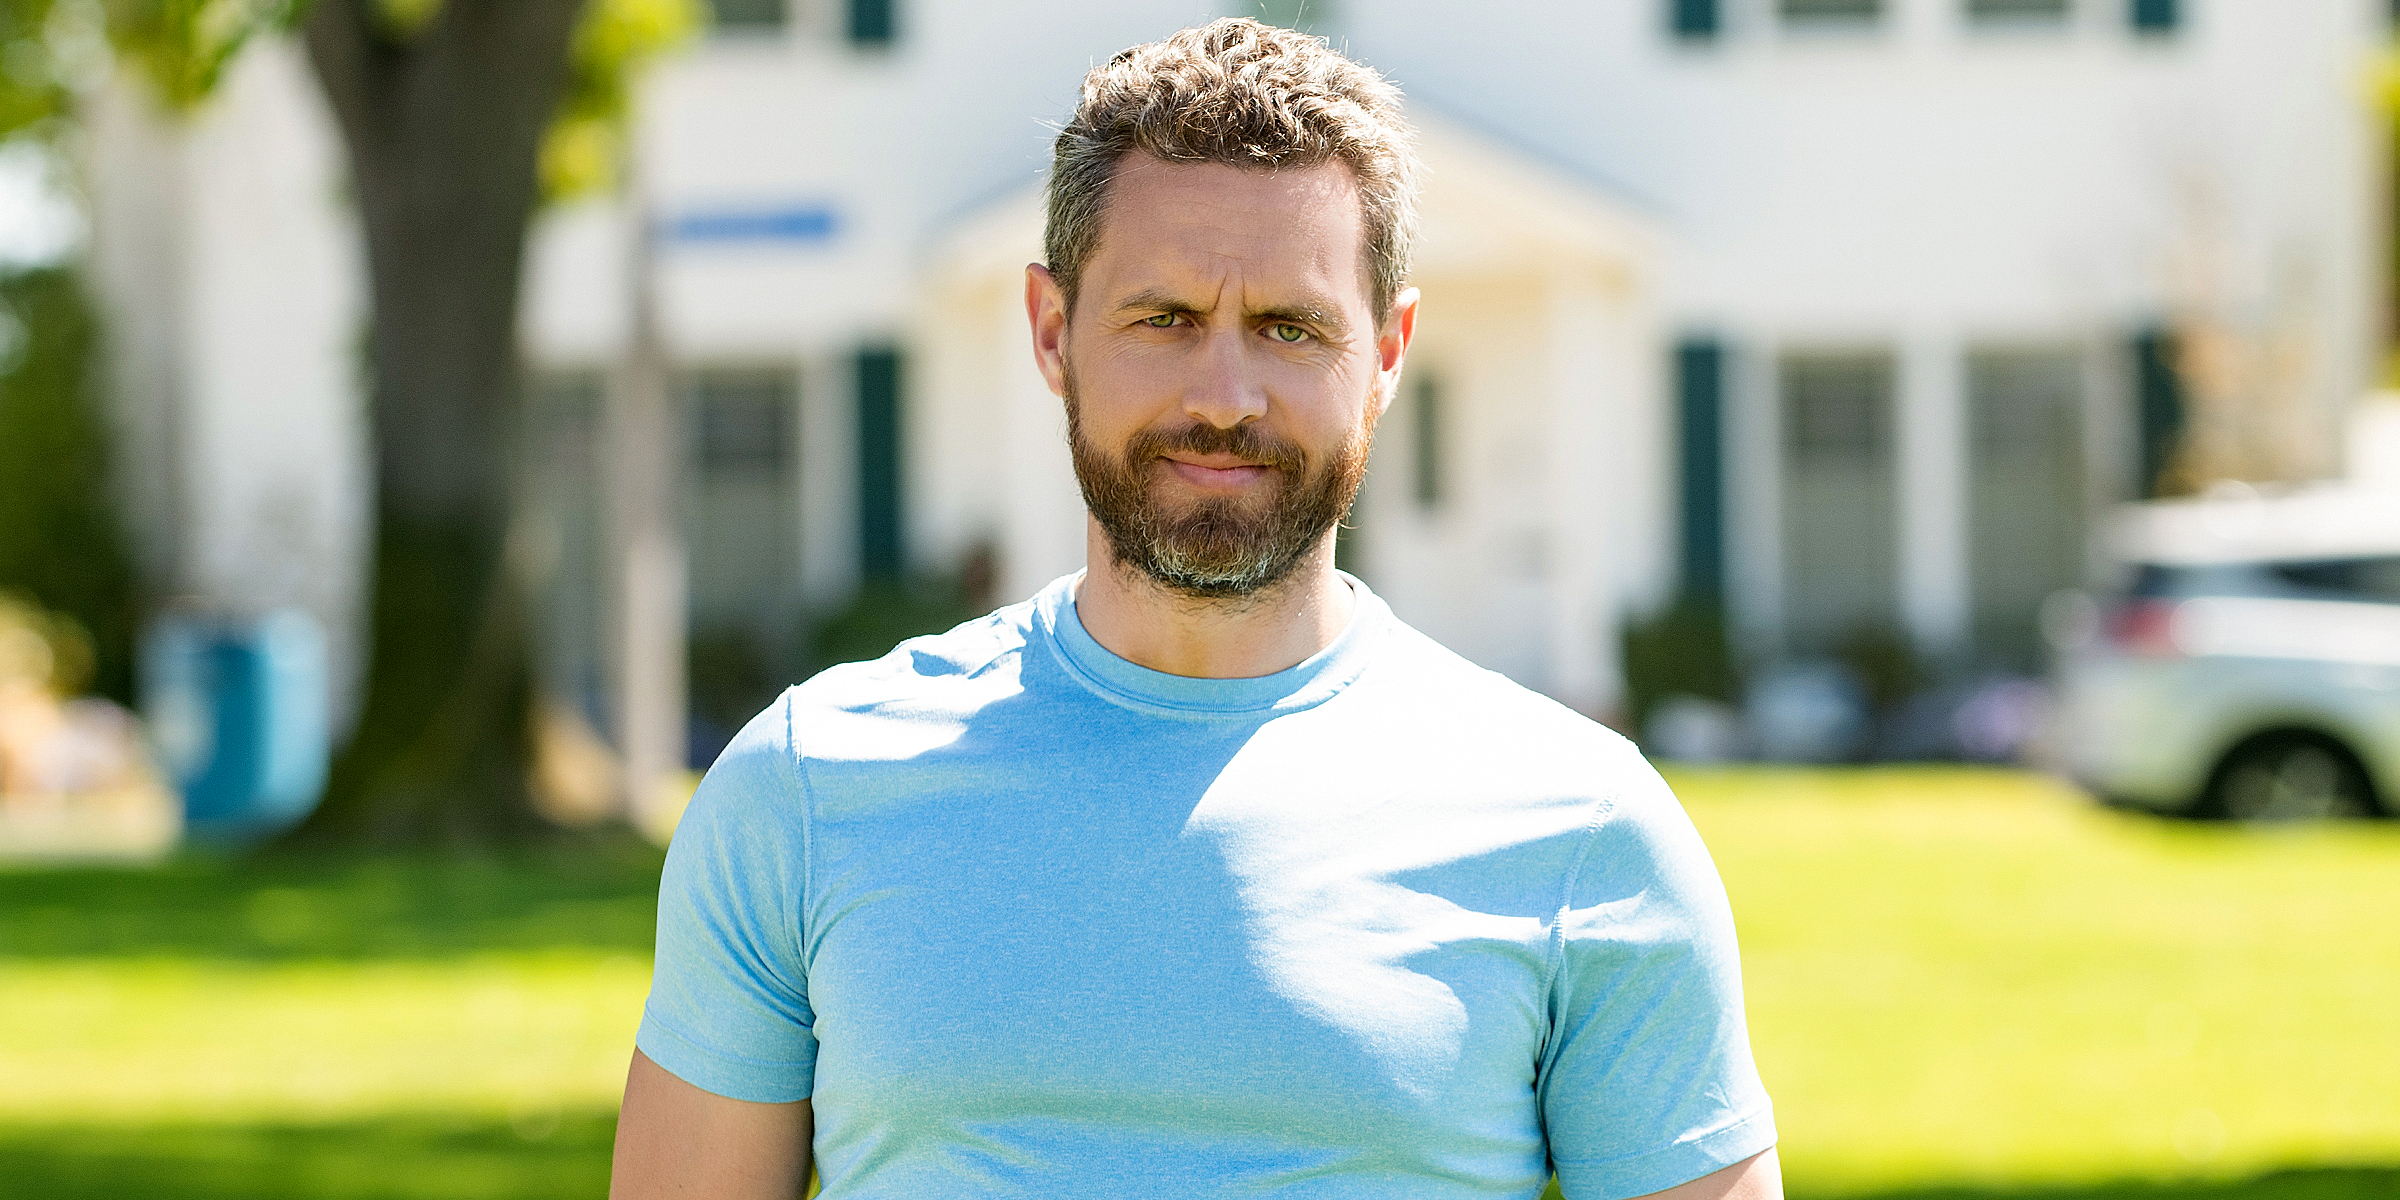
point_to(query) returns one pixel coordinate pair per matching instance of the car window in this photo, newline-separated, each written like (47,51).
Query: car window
(2152,581)
(2371,579)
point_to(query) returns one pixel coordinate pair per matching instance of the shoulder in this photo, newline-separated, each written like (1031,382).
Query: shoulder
(920,664)
(936,680)
(1424,686)
(1501,754)
(1635,831)
(753,788)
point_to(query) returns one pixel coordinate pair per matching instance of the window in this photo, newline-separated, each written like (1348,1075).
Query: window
(874,23)
(2025,502)
(1693,20)
(1840,520)
(1837,407)
(748,16)
(741,537)
(1830,12)
(2154,18)
(742,422)
(2375,580)
(2010,12)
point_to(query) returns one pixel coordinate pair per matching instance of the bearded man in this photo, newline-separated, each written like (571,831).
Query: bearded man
(1198,874)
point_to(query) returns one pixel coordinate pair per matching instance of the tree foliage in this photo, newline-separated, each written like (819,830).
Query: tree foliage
(45,49)
(584,151)
(184,47)
(60,543)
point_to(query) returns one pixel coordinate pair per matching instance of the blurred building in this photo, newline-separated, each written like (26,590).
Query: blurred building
(1845,313)
(232,287)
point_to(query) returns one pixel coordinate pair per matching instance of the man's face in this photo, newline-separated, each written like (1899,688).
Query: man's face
(1222,368)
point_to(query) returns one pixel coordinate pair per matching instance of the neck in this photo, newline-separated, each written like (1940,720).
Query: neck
(1278,627)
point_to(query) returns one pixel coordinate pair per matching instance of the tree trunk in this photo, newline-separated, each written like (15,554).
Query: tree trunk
(444,127)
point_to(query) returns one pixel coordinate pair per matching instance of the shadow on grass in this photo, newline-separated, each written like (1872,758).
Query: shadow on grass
(418,1159)
(597,894)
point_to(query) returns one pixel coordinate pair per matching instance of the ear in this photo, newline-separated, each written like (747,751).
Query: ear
(1391,346)
(1046,312)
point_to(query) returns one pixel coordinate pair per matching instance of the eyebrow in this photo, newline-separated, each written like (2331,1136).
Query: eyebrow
(1312,310)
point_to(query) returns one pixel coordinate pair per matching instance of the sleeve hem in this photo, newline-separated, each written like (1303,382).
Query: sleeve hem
(724,1074)
(1658,1170)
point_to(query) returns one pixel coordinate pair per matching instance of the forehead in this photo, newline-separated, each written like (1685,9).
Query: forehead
(1203,225)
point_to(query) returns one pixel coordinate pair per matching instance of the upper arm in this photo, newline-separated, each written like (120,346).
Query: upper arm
(729,1009)
(1647,1081)
(1758,1177)
(675,1139)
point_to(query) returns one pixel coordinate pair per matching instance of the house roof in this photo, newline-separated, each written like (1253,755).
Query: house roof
(1486,208)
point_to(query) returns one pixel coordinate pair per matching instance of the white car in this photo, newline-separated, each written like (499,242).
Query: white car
(2244,662)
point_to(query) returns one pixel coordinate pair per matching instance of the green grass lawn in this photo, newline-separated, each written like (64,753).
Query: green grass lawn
(395,1030)
(1977,979)
(1963,985)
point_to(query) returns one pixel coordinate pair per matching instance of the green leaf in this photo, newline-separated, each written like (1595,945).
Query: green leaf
(184,45)
(584,150)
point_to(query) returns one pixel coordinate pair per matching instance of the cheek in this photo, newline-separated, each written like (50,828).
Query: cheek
(1120,375)
(1110,394)
(1330,399)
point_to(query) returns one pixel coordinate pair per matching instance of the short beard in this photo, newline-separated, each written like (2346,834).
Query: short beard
(1223,549)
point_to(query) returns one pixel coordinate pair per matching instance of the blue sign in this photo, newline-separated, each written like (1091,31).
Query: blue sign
(802,224)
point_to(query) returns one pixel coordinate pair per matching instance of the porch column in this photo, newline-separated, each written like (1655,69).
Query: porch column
(1605,465)
(1931,478)
(828,432)
(1754,495)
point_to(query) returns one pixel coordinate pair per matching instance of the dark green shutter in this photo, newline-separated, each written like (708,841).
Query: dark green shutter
(874,22)
(1696,20)
(880,550)
(1700,402)
(2155,16)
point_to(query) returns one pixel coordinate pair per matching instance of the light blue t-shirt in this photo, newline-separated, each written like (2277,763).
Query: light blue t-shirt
(1025,919)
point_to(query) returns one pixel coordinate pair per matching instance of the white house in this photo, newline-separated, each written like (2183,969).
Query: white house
(1845,312)
(228,271)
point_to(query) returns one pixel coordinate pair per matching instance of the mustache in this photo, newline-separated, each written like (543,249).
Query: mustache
(1245,441)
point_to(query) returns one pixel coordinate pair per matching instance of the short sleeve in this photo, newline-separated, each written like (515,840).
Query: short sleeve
(1647,1081)
(728,1009)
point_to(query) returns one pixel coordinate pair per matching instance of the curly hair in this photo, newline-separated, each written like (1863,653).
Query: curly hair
(1248,95)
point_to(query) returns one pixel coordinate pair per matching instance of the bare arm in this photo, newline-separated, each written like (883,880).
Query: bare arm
(1754,1178)
(674,1139)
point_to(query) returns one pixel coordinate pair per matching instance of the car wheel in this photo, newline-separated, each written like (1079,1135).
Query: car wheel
(2290,777)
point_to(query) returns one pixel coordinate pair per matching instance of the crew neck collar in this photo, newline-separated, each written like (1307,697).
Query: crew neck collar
(1310,682)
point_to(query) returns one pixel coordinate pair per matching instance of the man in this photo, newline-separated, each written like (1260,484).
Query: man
(1198,874)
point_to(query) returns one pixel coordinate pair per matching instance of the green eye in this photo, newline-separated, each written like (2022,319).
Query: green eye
(1161,321)
(1289,333)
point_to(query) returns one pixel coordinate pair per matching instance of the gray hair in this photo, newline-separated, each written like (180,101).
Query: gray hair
(1248,95)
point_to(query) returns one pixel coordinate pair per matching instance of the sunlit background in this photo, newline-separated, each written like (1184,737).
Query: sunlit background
(1948,434)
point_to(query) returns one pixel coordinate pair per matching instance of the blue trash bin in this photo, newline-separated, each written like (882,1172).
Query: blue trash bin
(238,713)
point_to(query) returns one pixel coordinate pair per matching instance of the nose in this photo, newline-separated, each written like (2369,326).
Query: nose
(1225,389)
